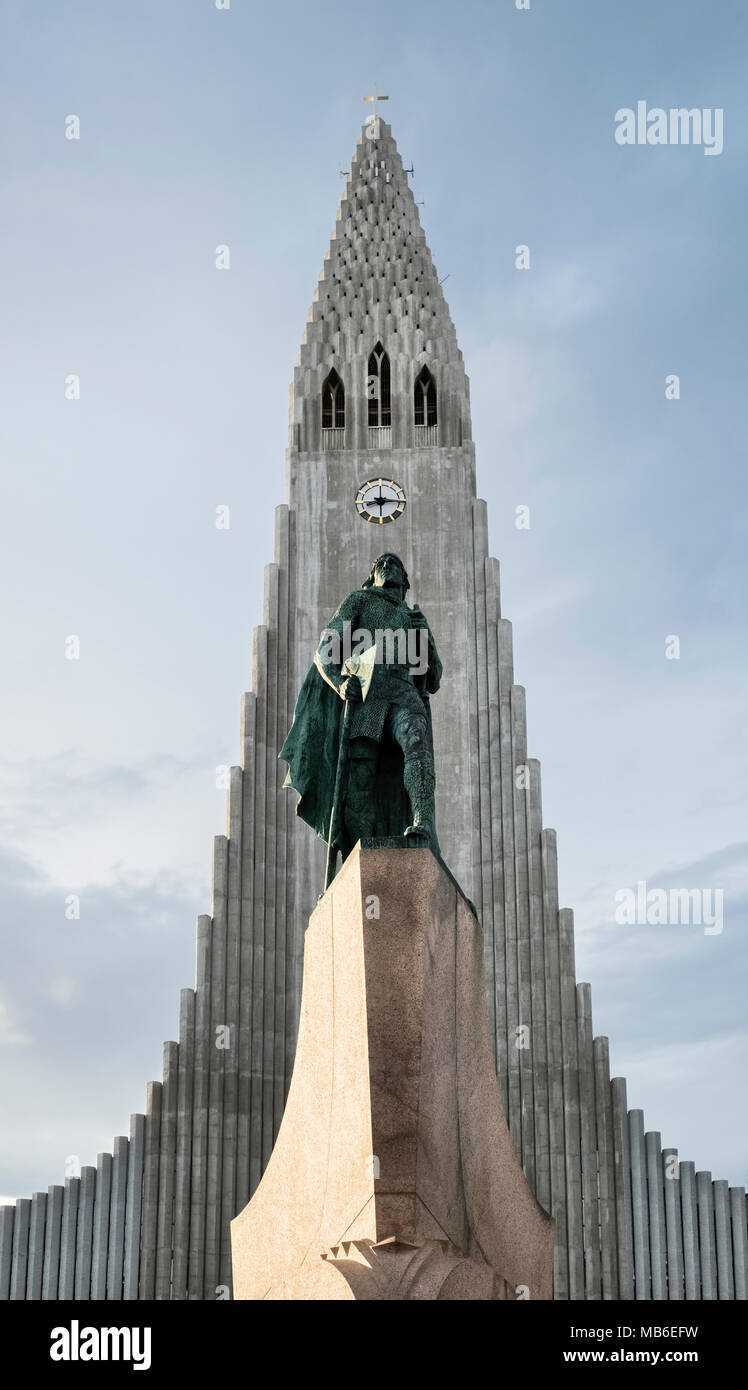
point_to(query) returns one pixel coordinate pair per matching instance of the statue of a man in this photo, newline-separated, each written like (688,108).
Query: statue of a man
(377,660)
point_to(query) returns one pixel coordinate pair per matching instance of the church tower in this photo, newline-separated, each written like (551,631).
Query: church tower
(380,457)
(380,406)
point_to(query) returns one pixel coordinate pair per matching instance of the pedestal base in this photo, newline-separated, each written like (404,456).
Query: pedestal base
(393,1175)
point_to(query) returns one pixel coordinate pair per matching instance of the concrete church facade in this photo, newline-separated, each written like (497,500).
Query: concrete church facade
(380,428)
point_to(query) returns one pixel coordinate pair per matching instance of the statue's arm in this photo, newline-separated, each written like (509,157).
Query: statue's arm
(433,676)
(330,654)
(434,673)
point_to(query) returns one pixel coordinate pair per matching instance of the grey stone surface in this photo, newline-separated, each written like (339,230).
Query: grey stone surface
(487,698)
(639,1206)
(217,1053)
(532,804)
(230,1055)
(281,1077)
(133,1207)
(199,1174)
(590,1242)
(68,1235)
(52,1230)
(723,1241)
(257,924)
(552,986)
(707,1254)
(522,901)
(673,1224)
(622,1170)
(152,1151)
(37,1223)
(183,1169)
(606,1166)
(7,1222)
(167,1170)
(117,1208)
(690,1219)
(244,1099)
(273,813)
(739,1242)
(656,1206)
(572,1129)
(20,1252)
(513,1100)
(84,1234)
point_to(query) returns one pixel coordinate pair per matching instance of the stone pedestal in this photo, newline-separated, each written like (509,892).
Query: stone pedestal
(393,1175)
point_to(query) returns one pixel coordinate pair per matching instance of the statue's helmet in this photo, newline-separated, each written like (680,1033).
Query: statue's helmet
(387,555)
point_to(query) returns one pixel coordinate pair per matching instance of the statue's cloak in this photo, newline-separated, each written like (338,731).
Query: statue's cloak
(311,750)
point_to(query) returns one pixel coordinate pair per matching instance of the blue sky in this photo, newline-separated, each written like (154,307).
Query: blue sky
(202,127)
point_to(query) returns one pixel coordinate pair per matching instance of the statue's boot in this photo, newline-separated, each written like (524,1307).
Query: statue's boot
(359,801)
(420,784)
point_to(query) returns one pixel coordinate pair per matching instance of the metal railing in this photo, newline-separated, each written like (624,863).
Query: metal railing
(380,437)
(333,439)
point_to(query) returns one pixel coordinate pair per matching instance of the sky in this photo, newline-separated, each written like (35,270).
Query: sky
(202,127)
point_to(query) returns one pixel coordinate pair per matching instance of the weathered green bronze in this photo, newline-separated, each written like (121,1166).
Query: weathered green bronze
(370,773)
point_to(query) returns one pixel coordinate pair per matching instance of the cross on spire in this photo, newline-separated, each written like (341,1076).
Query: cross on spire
(375,97)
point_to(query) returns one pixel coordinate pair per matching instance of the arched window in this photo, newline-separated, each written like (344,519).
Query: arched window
(333,403)
(378,387)
(425,398)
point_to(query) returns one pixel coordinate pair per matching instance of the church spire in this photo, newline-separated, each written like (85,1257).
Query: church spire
(378,286)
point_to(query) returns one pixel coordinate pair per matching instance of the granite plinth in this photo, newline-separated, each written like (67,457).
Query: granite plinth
(393,1175)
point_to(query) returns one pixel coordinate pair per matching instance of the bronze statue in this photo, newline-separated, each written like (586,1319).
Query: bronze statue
(370,773)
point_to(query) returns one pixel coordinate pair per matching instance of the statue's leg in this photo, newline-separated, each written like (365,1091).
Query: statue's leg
(420,784)
(359,800)
(409,728)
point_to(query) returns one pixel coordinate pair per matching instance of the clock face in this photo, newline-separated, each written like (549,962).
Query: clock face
(380,500)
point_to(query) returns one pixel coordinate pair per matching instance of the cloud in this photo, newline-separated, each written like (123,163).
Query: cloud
(10,1034)
(65,789)
(62,991)
(90,1003)
(81,821)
